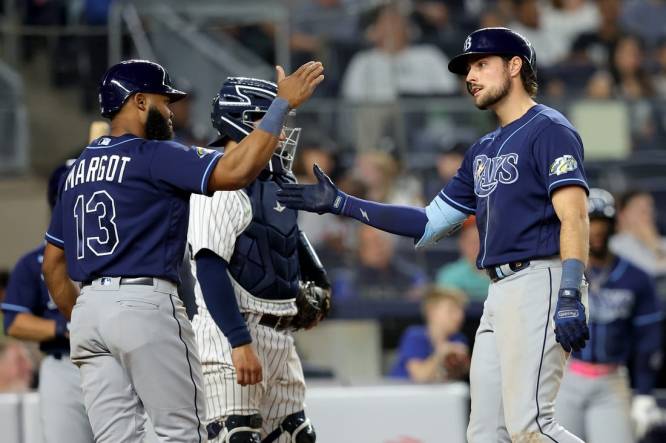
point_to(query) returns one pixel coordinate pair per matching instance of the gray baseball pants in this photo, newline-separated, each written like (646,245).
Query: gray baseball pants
(517,365)
(136,352)
(596,409)
(61,402)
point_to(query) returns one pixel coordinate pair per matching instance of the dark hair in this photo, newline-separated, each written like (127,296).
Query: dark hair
(527,75)
(626,198)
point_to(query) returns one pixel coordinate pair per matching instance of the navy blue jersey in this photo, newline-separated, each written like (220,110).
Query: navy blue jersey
(625,315)
(507,178)
(26,292)
(124,207)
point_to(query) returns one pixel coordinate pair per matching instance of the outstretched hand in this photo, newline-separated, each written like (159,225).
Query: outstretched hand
(323,197)
(299,86)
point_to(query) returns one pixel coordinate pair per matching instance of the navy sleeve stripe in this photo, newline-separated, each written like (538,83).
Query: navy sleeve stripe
(647,319)
(13,307)
(51,239)
(208,171)
(557,182)
(458,205)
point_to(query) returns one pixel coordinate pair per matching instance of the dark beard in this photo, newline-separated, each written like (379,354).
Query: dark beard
(157,127)
(493,99)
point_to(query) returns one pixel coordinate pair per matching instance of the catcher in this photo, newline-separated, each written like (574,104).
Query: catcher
(258,279)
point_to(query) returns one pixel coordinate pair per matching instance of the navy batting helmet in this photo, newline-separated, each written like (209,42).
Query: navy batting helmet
(601,204)
(132,76)
(493,41)
(239,104)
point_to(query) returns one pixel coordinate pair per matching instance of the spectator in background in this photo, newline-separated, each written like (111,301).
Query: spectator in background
(394,67)
(16,368)
(633,83)
(381,173)
(567,19)
(436,351)
(645,18)
(659,76)
(463,274)
(379,274)
(598,46)
(638,239)
(436,24)
(631,79)
(528,22)
(325,30)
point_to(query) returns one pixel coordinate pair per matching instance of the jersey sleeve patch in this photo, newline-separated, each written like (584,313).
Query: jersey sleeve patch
(562,165)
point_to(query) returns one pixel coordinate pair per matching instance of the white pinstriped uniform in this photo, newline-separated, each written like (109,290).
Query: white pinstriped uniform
(215,223)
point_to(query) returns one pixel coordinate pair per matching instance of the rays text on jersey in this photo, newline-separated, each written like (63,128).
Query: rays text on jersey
(110,168)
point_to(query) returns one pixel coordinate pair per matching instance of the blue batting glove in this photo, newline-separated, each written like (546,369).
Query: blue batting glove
(324,197)
(571,329)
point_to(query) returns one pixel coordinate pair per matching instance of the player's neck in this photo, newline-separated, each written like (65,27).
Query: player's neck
(514,106)
(121,126)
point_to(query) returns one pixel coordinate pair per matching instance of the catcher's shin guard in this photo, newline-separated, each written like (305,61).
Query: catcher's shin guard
(237,429)
(299,428)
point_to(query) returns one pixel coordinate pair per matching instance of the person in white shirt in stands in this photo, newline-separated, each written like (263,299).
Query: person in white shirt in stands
(638,239)
(394,67)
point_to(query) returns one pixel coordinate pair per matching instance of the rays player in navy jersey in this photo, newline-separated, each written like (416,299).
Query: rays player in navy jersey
(250,259)
(595,400)
(526,185)
(31,314)
(119,228)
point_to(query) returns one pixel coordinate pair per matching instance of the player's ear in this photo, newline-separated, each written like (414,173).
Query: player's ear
(515,65)
(141,101)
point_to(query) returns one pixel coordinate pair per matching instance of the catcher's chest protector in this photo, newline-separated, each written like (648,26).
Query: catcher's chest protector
(265,259)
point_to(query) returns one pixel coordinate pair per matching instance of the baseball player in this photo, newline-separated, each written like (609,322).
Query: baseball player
(625,325)
(119,227)
(526,185)
(258,278)
(31,314)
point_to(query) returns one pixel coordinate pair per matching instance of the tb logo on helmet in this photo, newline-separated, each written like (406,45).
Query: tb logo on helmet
(467,44)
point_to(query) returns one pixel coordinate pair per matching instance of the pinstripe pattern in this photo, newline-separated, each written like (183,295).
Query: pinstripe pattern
(282,391)
(215,223)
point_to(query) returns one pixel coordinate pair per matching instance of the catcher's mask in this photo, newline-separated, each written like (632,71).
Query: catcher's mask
(237,107)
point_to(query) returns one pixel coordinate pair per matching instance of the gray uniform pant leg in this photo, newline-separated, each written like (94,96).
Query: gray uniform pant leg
(603,406)
(520,310)
(61,406)
(135,348)
(486,423)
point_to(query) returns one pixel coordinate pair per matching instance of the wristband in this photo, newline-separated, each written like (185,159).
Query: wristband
(274,118)
(572,274)
(62,327)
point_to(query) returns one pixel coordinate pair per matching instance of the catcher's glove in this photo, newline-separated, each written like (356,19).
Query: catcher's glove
(313,304)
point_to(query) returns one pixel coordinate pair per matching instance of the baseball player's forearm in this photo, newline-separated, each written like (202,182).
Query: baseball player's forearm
(407,221)
(62,289)
(30,327)
(570,205)
(218,293)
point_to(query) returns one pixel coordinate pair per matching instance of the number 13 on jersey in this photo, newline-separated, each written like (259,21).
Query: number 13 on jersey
(95,226)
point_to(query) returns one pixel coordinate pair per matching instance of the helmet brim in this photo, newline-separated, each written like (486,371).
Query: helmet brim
(458,64)
(174,94)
